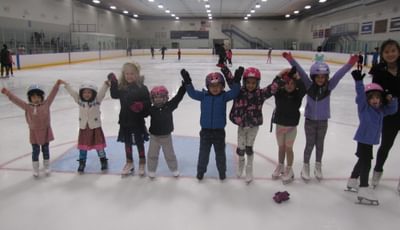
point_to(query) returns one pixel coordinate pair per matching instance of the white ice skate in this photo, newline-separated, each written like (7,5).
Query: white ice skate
(35,165)
(142,166)
(288,177)
(376,177)
(305,172)
(151,175)
(249,169)
(240,167)
(278,172)
(366,196)
(128,169)
(46,166)
(318,171)
(176,173)
(352,185)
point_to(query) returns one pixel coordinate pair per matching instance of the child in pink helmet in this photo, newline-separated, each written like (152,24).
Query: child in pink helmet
(371,111)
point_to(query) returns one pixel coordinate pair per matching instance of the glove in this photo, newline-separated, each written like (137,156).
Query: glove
(136,106)
(353,60)
(186,77)
(111,77)
(287,55)
(4,91)
(279,81)
(292,72)
(238,74)
(357,76)
(227,73)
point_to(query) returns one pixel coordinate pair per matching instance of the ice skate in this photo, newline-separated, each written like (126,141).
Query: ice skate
(352,185)
(81,167)
(288,177)
(278,172)
(305,172)
(35,165)
(376,177)
(249,169)
(176,173)
(128,169)
(240,168)
(318,171)
(104,163)
(151,175)
(46,166)
(366,196)
(142,166)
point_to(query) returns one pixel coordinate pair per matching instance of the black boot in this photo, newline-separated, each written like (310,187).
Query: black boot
(82,164)
(104,164)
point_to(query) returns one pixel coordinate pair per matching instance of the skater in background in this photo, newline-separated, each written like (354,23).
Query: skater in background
(269,54)
(220,49)
(360,61)
(179,54)
(10,63)
(246,113)
(319,56)
(91,134)
(387,75)
(37,115)
(5,61)
(152,52)
(371,111)
(212,118)
(163,49)
(375,56)
(286,116)
(134,99)
(317,111)
(161,127)
(229,55)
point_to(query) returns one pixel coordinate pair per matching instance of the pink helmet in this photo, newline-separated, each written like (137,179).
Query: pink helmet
(252,72)
(213,78)
(373,87)
(160,91)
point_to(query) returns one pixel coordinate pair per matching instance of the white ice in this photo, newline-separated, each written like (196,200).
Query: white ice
(94,201)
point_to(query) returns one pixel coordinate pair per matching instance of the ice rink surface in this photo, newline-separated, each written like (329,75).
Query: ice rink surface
(66,200)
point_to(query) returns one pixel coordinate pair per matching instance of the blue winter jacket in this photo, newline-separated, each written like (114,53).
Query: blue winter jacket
(213,108)
(370,127)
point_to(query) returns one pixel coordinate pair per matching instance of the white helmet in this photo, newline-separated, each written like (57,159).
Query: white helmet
(88,85)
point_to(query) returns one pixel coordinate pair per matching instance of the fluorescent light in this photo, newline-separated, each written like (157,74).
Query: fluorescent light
(209,15)
(263,0)
(135,15)
(307,7)
(125,12)
(172,15)
(167,11)
(210,18)
(160,6)
(296,12)
(287,16)
(245,18)
(113,7)
(151,0)
(252,11)
(96,1)
(258,5)
(322,1)
(207,6)
(177,18)
(248,15)
(208,11)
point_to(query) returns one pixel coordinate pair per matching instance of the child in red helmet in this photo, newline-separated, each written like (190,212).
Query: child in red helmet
(161,127)
(212,118)
(371,111)
(246,113)
(37,114)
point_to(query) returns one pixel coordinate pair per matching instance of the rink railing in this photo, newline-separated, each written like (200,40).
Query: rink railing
(43,60)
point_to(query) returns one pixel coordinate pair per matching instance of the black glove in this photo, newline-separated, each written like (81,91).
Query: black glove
(279,81)
(292,72)
(111,77)
(357,75)
(186,77)
(238,74)
(227,73)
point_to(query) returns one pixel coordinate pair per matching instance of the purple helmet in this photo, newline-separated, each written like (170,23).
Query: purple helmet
(319,68)
(213,78)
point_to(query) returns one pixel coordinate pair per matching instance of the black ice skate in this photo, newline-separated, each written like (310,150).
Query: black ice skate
(81,167)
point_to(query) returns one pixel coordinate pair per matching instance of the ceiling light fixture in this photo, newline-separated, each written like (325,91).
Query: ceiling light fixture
(210,18)
(125,12)
(208,11)
(167,11)
(160,6)
(248,15)
(96,1)
(287,16)
(207,6)
(322,1)
(135,15)
(172,15)
(296,12)
(252,11)
(307,7)
(209,15)
(113,7)
(151,0)
(263,0)
(177,18)
(258,5)
(245,18)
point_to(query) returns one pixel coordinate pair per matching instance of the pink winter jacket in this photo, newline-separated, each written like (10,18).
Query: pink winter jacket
(37,117)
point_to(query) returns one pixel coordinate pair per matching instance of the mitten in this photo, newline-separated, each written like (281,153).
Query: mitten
(136,106)
(186,77)
(279,81)
(287,55)
(111,77)
(227,73)
(357,76)
(292,72)
(238,74)
(353,59)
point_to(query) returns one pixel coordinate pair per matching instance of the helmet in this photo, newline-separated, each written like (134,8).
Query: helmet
(35,89)
(213,78)
(252,72)
(319,68)
(373,87)
(159,91)
(88,85)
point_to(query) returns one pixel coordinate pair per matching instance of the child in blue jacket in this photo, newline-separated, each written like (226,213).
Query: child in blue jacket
(371,111)
(212,118)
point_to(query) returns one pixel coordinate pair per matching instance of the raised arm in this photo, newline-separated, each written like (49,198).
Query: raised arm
(49,100)
(102,92)
(194,94)
(114,91)
(71,92)
(342,71)
(303,75)
(14,99)
(178,97)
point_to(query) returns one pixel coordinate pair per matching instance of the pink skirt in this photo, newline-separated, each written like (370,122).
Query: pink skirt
(91,139)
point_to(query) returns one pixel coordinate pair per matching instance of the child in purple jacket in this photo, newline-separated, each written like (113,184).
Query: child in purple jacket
(371,111)
(317,111)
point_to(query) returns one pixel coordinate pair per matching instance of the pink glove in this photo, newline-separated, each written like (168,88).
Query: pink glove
(136,106)
(353,59)
(287,55)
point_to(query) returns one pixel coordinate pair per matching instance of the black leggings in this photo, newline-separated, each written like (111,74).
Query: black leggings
(363,165)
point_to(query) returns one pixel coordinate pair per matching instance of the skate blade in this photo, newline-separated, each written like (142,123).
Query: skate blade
(364,201)
(351,190)
(249,181)
(131,173)
(287,181)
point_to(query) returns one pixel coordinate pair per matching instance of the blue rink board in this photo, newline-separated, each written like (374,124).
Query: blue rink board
(186,150)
